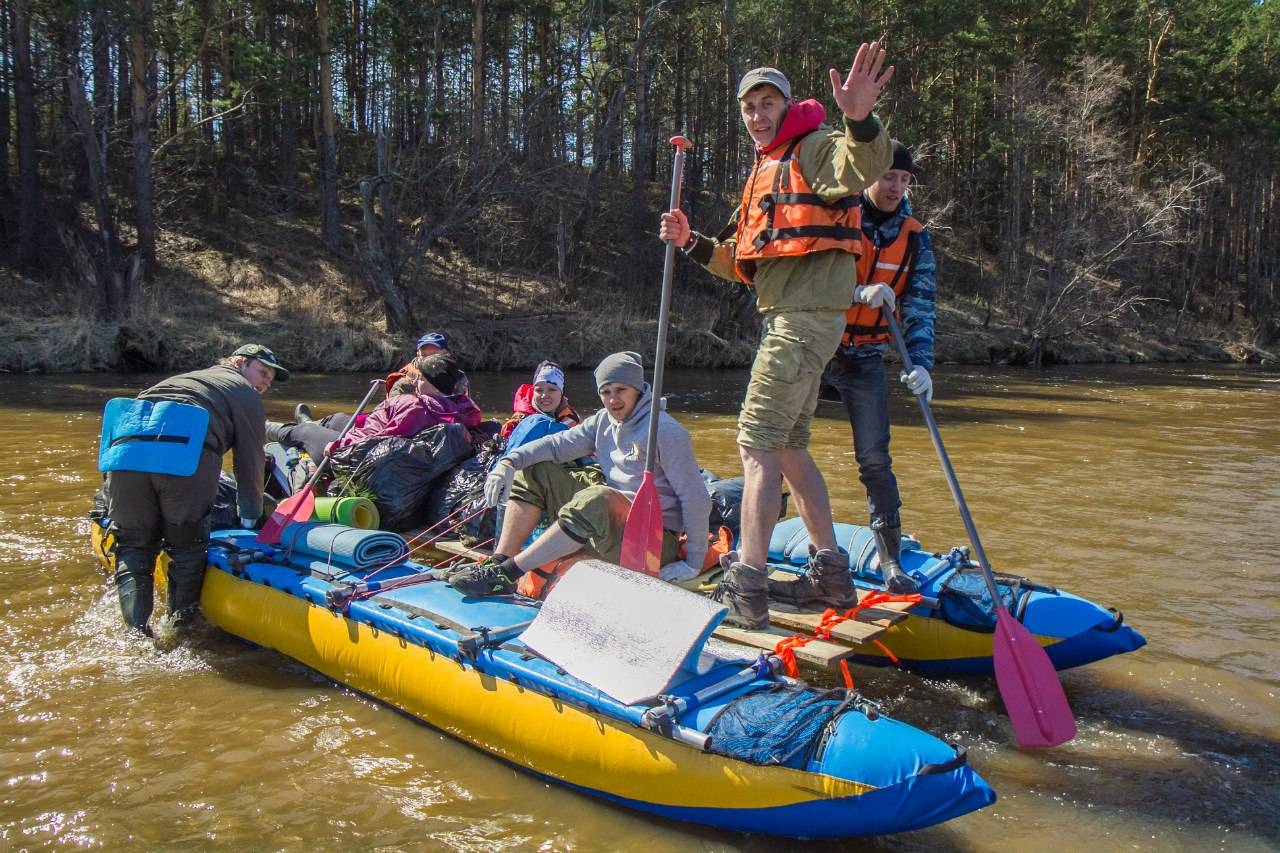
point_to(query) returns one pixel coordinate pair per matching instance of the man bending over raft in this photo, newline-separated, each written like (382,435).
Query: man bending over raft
(796,240)
(150,510)
(590,505)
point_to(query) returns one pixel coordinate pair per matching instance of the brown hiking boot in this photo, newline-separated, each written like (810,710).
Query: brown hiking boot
(745,589)
(825,583)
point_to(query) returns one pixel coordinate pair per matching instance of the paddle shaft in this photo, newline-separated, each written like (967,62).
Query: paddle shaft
(664,309)
(950,472)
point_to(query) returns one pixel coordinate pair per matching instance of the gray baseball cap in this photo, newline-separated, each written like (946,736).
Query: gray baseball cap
(760,76)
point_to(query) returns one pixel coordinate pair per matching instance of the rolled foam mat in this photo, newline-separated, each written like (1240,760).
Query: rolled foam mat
(353,512)
(338,544)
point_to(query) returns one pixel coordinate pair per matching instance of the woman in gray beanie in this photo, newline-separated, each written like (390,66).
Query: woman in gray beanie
(590,505)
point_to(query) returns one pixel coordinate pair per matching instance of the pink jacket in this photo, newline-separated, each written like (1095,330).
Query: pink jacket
(409,414)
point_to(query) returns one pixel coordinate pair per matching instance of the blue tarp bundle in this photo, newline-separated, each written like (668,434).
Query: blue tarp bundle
(781,726)
(340,545)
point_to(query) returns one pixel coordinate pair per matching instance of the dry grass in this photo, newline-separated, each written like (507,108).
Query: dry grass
(264,279)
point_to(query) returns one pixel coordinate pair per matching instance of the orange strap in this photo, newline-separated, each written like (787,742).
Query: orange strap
(785,649)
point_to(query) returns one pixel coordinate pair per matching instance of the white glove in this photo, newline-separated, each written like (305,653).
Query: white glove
(677,572)
(919,382)
(248,523)
(875,295)
(498,484)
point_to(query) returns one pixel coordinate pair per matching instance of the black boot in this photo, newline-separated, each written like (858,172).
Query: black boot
(134,586)
(889,544)
(745,589)
(186,579)
(825,583)
(302,414)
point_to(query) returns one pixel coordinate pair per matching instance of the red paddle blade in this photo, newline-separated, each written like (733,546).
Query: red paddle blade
(642,537)
(297,507)
(1030,687)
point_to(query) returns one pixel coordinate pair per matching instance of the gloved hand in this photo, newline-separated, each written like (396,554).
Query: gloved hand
(875,295)
(677,571)
(918,382)
(498,484)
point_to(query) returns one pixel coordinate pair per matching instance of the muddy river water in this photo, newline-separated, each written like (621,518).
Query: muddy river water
(1152,490)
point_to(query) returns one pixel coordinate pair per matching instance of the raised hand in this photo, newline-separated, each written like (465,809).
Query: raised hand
(858,94)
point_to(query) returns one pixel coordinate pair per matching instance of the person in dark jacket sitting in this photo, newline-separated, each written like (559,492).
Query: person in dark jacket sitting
(150,511)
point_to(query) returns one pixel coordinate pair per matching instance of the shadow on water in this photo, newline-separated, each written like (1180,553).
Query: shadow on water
(1161,757)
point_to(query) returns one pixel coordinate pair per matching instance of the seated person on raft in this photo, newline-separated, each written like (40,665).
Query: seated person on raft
(589,505)
(432,401)
(544,396)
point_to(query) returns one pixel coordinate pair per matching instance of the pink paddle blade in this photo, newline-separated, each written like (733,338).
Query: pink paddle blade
(1030,687)
(642,537)
(297,507)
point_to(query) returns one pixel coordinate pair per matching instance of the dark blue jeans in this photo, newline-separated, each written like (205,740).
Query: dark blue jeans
(865,394)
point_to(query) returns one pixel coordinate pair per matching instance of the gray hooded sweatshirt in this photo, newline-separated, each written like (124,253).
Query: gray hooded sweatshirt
(620,449)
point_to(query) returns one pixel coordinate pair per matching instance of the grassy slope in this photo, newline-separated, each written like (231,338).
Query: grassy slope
(270,280)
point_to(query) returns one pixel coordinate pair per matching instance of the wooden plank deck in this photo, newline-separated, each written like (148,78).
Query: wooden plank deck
(785,622)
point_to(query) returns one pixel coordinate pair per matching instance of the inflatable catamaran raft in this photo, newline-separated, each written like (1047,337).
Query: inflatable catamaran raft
(585,690)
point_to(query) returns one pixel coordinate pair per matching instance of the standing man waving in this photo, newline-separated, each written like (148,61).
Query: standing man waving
(796,240)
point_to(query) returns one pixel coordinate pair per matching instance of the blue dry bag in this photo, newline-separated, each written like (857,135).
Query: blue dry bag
(156,437)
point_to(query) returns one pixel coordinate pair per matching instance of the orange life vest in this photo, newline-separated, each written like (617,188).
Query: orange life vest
(889,265)
(781,216)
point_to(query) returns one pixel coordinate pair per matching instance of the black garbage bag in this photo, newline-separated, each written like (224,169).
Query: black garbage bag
(726,502)
(462,491)
(225,513)
(398,473)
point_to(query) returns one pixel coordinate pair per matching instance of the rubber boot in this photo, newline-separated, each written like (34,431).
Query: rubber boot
(186,578)
(889,545)
(826,583)
(135,585)
(273,431)
(745,589)
(302,414)
(188,549)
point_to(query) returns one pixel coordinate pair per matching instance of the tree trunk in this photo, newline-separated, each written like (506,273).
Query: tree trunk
(383,256)
(328,144)
(111,299)
(6,83)
(28,159)
(103,82)
(139,99)
(288,163)
(477,75)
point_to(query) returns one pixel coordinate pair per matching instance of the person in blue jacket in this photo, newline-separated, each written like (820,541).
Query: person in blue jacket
(895,273)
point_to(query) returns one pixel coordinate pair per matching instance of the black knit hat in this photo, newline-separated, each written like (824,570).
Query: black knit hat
(441,370)
(902,158)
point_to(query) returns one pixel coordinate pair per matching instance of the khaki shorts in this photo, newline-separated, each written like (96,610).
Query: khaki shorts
(778,410)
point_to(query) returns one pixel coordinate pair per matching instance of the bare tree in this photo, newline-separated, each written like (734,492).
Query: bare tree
(1094,217)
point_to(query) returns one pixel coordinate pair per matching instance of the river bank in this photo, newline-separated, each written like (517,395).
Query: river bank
(256,280)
